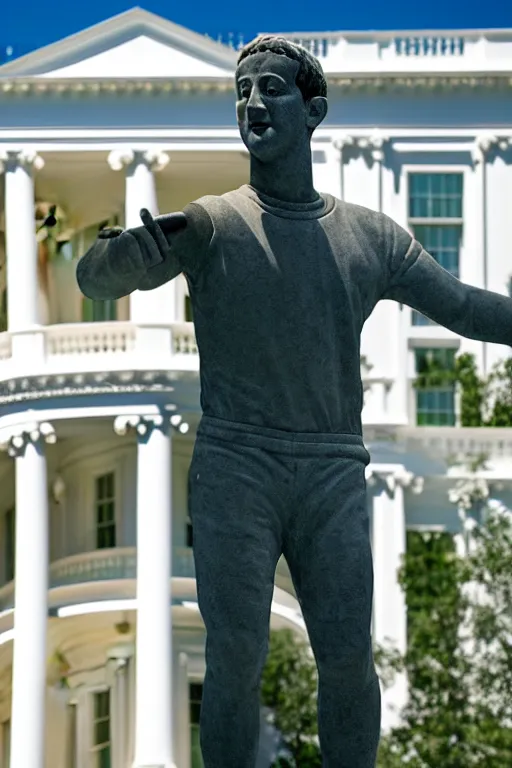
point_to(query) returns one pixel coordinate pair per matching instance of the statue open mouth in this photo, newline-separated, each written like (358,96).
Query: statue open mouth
(259,128)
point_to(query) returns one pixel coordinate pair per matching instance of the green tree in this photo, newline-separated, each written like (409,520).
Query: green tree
(459,657)
(490,625)
(436,721)
(472,389)
(289,689)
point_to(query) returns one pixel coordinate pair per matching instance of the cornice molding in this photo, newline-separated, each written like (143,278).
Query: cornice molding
(25,86)
(30,388)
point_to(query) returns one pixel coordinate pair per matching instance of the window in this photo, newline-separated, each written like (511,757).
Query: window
(9,544)
(435,218)
(94,311)
(195,696)
(6,744)
(98,311)
(435,391)
(101,746)
(72,733)
(105,511)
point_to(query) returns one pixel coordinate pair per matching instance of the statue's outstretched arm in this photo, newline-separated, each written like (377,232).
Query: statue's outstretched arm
(475,313)
(119,261)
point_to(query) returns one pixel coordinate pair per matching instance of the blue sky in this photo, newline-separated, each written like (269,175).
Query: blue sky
(30,24)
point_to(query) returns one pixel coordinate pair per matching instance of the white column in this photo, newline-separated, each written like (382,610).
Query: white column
(375,145)
(140,192)
(20,239)
(153,694)
(386,483)
(326,165)
(30,593)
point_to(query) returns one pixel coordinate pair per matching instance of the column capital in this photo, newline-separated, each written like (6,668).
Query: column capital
(375,145)
(343,140)
(144,425)
(15,439)
(393,476)
(154,159)
(483,145)
(9,160)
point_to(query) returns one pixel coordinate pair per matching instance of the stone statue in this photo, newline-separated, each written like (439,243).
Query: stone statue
(281,280)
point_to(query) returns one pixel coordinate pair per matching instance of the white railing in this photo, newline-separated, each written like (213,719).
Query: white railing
(404,44)
(89,339)
(459,442)
(97,347)
(409,51)
(429,45)
(102,565)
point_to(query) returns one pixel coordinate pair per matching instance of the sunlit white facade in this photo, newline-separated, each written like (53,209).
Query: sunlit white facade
(99,401)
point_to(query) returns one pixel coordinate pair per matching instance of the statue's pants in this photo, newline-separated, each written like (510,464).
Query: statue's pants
(257,493)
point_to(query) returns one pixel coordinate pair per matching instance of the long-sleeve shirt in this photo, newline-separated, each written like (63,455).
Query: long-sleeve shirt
(280,293)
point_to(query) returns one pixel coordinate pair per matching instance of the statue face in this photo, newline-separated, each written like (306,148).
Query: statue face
(271,113)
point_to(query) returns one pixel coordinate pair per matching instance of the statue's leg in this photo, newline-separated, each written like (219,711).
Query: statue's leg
(237,543)
(328,551)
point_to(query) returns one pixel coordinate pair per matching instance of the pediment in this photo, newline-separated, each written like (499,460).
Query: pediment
(136,44)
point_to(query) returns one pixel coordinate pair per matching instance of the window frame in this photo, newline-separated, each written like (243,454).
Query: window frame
(445,350)
(9,541)
(96,477)
(92,748)
(416,318)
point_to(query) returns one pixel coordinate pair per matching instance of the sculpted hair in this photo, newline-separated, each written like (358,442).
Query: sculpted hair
(310,77)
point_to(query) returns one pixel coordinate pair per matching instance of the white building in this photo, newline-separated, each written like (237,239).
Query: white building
(140,112)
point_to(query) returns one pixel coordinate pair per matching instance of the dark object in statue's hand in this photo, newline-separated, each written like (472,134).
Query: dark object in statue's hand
(109,232)
(50,220)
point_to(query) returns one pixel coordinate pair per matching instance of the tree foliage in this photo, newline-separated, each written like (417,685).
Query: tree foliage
(289,689)
(459,656)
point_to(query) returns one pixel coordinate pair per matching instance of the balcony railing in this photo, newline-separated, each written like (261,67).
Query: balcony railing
(409,51)
(97,347)
(102,565)
(457,443)
(111,565)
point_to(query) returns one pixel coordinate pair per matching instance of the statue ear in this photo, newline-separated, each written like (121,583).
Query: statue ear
(317,110)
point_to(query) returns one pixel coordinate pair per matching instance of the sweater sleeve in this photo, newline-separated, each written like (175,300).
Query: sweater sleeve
(119,263)
(415,278)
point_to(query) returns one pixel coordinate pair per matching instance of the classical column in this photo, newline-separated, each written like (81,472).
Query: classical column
(481,148)
(153,648)
(20,239)
(26,445)
(374,144)
(386,484)
(140,192)
(339,144)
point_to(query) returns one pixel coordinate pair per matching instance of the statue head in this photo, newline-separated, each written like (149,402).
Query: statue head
(281,97)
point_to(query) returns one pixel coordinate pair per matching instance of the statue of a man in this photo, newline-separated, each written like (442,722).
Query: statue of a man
(281,280)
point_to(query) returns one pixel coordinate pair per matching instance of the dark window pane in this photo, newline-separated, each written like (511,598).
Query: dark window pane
(10,543)
(101,704)
(418,319)
(435,195)
(442,242)
(102,732)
